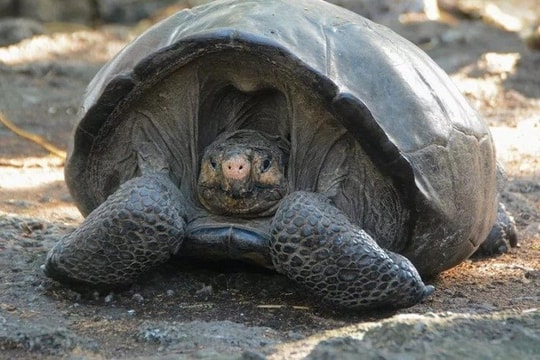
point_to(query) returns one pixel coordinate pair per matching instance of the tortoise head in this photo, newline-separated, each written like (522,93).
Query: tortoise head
(243,174)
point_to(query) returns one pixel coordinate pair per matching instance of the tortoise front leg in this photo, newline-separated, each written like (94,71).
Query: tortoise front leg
(315,244)
(136,228)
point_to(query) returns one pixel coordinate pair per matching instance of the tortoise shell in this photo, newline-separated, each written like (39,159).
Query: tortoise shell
(323,79)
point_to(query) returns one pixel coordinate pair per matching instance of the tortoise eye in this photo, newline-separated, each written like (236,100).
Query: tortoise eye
(265,166)
(213,164)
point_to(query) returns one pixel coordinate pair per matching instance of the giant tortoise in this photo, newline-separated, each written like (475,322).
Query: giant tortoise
(292,134)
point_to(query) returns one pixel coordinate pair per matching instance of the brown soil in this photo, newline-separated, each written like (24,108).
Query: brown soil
(41,84)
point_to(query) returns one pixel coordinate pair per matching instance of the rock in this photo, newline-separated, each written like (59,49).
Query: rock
(503,335)
(13,30)
(37,337)
(128,11)
(7,7)
(532,39)
(82,11)
(87,12)
(223,337)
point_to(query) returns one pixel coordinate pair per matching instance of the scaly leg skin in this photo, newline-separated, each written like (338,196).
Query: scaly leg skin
(135,229)
(502,236)
(315,244)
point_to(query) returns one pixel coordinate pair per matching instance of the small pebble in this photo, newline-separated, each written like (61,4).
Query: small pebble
(252,355)
(109,298)
(205,290)
(170,292)
(9,307)
(137,297)
(131,312)
(66,198)
(19,203)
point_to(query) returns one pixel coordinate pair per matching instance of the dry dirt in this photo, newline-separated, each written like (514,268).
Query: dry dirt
(486,308)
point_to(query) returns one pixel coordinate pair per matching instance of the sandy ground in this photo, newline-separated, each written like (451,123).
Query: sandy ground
(187,310)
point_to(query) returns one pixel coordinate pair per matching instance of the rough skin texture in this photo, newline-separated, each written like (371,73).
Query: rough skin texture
(315,244)
(502,235)
(137,228)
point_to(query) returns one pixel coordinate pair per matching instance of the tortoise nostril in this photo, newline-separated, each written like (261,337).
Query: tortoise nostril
(240,167)
(236,167)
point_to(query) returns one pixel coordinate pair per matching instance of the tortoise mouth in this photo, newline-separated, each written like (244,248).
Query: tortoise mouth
(255,203)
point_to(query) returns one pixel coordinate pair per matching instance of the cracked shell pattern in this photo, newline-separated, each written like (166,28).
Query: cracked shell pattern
(135,229)
(315,244)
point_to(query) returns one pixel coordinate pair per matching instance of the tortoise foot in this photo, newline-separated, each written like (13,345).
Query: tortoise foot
(136,228)
(315,244)
(502,236)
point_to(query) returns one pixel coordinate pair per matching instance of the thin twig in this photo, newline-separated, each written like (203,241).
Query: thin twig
(32,137)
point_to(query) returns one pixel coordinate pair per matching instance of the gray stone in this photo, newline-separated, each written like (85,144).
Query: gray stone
(503,335)
(13,30)
(220,337)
